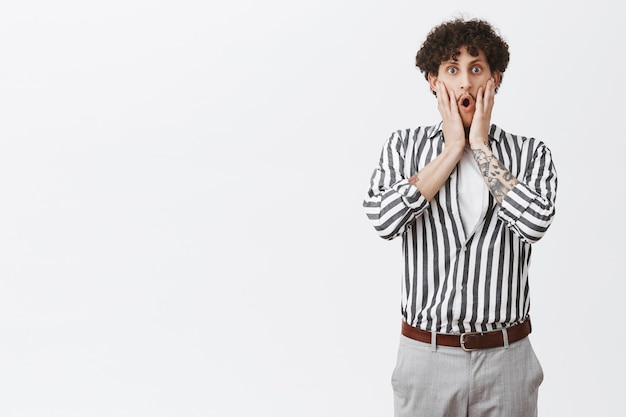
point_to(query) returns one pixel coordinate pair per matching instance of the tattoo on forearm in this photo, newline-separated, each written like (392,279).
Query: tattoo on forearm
(499,180)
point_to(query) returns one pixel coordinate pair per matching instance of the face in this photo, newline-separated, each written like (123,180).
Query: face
(463,76)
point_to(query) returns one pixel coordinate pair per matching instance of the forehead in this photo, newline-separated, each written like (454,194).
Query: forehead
(462,55)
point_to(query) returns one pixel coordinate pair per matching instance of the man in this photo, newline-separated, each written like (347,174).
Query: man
(468,200)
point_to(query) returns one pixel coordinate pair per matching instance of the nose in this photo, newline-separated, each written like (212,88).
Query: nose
(464,81)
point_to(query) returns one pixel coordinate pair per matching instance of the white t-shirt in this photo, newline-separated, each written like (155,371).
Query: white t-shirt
(472,190)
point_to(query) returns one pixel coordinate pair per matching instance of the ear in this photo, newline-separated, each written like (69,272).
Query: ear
(496,78)
(432,81)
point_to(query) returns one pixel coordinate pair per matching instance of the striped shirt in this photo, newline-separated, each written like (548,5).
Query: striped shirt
(456,280)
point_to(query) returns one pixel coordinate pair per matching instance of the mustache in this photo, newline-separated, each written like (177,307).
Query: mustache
(466,99)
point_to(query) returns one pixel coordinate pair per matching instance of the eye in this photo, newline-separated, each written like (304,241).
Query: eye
(452,70)
(476,70)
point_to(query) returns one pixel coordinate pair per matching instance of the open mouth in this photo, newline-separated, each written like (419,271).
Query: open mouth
(465,102)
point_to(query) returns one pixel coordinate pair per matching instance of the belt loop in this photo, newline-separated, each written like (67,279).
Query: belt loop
(505,337)
(433,340)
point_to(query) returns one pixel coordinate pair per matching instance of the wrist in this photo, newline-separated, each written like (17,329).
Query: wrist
(454,150)
(479,144)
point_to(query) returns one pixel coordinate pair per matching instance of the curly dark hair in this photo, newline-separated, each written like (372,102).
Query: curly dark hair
(445,40)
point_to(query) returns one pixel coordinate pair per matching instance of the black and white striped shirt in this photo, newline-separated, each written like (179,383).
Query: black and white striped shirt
(455,280)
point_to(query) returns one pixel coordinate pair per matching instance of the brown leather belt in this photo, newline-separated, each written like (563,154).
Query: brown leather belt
(471,340)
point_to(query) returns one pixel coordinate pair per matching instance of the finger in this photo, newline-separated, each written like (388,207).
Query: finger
(442,93)
(479,98)
(489,94)
(454,106)
(444,100)
(439,95)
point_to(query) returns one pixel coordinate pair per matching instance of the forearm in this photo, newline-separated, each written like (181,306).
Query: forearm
(499,180)
(529,207)
(434,175)
(391,209)
(391,202)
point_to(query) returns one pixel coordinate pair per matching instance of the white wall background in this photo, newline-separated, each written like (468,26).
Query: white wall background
(181,231)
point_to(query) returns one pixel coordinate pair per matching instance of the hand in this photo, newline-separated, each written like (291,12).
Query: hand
(453,131)
(481,122)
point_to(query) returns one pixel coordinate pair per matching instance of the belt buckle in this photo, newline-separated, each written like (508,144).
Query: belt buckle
(462,340)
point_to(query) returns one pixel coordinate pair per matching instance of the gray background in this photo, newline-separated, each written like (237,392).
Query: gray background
(181,231)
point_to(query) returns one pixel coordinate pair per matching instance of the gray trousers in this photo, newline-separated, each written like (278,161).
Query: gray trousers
(449,382)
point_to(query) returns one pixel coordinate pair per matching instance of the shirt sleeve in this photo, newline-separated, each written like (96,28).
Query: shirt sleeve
(391,202)
(529,207)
